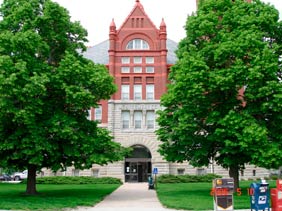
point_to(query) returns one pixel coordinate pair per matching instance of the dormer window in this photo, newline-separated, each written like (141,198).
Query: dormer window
(137,44)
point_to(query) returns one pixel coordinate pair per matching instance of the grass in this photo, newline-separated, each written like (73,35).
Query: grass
(53,197)
(196,196)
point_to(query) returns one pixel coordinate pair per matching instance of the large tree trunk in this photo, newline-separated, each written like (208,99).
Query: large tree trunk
(31,180)
(234,173)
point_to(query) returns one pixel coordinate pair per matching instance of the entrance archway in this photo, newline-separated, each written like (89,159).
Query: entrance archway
(138,166)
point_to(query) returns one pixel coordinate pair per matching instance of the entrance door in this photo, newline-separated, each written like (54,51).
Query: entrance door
(142,172)
(131,171)
(137,171)
(138,166)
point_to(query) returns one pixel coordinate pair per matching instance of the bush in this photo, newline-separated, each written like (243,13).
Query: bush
(76,180)
(272,177)
(167,178)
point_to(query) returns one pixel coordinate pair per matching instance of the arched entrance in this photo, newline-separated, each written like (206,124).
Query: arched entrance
(138,165)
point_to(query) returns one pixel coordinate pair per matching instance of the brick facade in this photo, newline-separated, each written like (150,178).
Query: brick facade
(138,26)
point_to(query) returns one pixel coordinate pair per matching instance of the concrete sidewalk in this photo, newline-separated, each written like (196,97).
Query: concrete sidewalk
(129,196)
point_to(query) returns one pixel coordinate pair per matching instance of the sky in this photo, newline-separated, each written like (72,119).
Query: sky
(96,15)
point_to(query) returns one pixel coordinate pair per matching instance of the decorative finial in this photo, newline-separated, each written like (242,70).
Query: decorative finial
(113,23)
(113,26)
(163,23)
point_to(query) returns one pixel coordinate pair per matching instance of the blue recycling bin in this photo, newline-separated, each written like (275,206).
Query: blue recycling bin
(260,196)
(151,182)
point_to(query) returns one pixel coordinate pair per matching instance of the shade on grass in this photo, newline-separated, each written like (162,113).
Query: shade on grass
(196,196)
(53,197)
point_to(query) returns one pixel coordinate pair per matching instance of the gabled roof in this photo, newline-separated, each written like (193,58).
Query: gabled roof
(138,6)
(99,53)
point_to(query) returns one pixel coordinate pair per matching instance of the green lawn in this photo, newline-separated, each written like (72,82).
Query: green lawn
(188,196)
(196,196)
(53,197)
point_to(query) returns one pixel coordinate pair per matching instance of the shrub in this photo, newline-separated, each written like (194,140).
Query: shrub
(76,180)
(167,178)
(272,177)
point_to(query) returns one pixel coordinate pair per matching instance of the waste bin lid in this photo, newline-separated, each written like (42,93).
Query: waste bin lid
(263,181)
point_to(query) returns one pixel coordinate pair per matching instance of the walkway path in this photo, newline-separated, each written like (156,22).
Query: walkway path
(129,196)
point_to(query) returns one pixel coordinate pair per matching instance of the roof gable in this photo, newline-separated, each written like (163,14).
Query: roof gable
(137,18)
(99,53)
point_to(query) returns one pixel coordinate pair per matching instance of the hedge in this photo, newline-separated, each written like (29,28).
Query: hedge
(76,180)
(168,178)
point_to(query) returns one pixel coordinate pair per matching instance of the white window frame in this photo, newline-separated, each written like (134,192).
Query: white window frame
(125,60)
(137,60)
(98,113)
(125,92)
(89,114)
(125,69)
(137,44)
(137,69)
(150,69)
(150,91)
(138,119)
(137,92)
(125,119)
(150,119)
(150,60)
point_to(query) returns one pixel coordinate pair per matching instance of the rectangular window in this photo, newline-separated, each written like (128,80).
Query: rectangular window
(150,91)
(137,69)
(125,92)
(137,80)
(150,60)
(89,114)
(180,171)
(149,80)
(125,69)
(137,60)
(125,80)
(98,113)
(201,171)
(137,43)
(150,69)
(125,60)
(95,172)
(150,119)
(137,92)
(137,119)
(75,172)
(125,118)
(145,45)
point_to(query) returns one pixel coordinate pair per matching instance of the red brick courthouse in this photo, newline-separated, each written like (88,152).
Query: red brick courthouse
(139,55)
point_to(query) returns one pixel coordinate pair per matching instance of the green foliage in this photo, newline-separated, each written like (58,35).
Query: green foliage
(46,89)
(168,178)
(76,180)
(224,102)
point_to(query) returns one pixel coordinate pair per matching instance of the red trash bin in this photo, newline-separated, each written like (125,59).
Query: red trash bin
(276,196)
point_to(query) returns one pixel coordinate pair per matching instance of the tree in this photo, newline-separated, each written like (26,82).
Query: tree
(46,89)
(224,100)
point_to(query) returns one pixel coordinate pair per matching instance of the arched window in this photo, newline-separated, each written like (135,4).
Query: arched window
(137,44)
(140,151)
